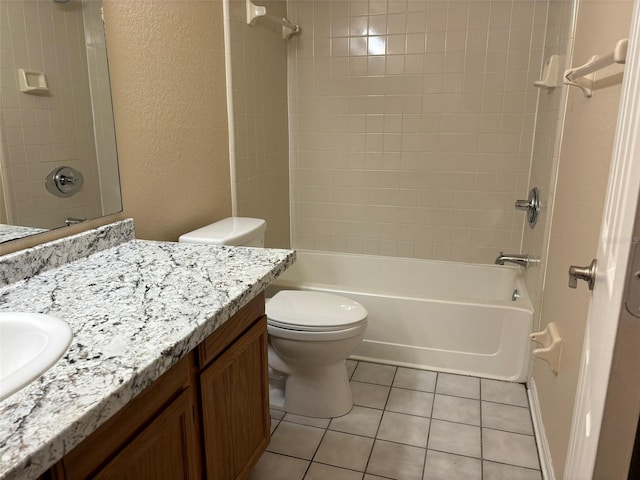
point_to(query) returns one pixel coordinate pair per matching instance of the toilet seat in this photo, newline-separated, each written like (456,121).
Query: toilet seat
(304,311)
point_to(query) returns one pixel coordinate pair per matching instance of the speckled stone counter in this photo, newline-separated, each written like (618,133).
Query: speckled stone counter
(14,232)
(135,309)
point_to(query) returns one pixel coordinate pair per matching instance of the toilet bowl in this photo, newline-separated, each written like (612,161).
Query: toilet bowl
(311,334)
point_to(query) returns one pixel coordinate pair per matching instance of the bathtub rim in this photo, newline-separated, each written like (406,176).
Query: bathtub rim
(331,288)
(524,301)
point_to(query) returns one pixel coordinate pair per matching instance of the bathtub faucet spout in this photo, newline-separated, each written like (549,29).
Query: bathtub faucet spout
(523,260)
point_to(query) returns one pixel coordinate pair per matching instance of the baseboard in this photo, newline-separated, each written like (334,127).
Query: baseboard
(546,465)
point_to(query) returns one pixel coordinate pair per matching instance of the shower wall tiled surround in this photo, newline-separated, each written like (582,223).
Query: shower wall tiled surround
(411,125)
(258,120)
(546,147)
(41,132)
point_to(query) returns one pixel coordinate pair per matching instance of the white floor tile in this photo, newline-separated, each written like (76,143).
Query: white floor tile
(393,460)
(277,414)
(295,440)
(412,379)
(446,466)
(359,421)
(310,421)
(274,424)
(351,366)
(504,392)
(407,429)
(457,409)
(499,471)
(344,450)
(506,417)
(458,385)
(455,438)
(510,448)
(369,395)
(410,402)
(319,471)
(277,467)
(374,373)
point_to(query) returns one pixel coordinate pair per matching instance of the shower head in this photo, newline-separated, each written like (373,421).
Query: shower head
(60,1)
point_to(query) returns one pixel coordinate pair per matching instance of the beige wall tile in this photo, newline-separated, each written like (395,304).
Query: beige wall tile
(259,116)
(450,87)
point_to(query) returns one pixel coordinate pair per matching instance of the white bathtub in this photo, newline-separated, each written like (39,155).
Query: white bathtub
(443,316)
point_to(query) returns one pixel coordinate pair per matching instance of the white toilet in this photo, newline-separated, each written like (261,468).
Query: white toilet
(310,333)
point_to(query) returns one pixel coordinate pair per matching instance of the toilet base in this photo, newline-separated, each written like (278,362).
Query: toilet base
(313,392)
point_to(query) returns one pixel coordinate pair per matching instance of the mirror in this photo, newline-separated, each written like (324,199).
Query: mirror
(58,159)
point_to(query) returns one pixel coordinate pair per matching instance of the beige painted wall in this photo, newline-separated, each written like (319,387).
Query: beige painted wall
(166,60)
(166,63)
(583,170)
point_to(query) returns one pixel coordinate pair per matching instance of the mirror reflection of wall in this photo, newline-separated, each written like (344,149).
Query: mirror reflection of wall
(70,123)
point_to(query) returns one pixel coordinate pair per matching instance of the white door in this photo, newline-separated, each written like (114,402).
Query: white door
(613,253)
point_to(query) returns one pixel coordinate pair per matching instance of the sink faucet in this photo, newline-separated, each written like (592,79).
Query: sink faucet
(523,260)
(73,220)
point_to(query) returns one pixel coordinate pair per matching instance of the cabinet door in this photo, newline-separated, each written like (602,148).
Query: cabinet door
(235,406)
(166,449)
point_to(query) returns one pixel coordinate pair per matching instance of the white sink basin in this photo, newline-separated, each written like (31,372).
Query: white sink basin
(30,343)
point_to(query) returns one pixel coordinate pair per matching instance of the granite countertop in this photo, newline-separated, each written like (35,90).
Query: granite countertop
(135,309)
(14,232)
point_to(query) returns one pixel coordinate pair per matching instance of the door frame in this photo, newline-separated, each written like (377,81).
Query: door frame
(619,216)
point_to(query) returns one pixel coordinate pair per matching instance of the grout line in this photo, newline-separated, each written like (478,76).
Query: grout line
(507,404)
(481,434)
(433,403)
(514,465)
(395,372)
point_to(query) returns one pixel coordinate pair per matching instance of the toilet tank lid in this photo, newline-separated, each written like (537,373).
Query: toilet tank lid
(230,231)
(314,309)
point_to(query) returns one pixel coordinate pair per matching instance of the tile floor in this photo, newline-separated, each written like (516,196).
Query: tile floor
(409,424)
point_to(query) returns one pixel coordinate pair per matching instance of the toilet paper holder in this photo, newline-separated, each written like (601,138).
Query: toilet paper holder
(551,346)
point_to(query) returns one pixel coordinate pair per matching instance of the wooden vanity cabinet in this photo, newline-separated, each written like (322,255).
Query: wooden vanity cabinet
(207,417)
(153,437)
(234,389)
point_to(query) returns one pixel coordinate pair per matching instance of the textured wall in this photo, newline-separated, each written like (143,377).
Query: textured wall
(412,125)
(168,81)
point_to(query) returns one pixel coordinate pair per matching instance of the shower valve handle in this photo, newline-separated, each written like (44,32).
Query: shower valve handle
(531,206)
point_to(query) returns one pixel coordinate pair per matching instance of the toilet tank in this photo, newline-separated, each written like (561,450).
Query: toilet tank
(236,231)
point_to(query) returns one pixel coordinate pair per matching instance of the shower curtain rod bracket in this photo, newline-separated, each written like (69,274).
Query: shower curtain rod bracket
(254,12)
(595,63)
